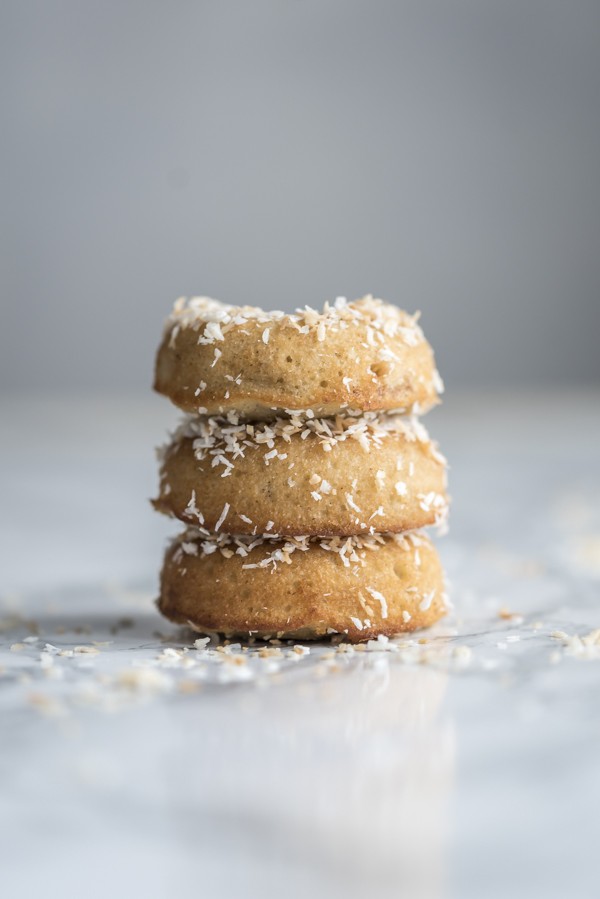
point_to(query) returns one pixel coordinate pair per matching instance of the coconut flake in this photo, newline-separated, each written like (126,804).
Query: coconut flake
(222,516)
(380,599)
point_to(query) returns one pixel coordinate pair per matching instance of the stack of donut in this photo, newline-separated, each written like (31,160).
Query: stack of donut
(301,471)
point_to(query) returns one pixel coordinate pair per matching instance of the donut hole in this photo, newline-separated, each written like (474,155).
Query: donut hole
(379,369)
(288,359)
(324,383)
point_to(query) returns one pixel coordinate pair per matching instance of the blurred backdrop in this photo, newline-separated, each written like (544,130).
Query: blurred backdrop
(443,155)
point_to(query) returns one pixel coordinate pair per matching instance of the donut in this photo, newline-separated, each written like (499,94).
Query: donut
(366,355)
(302,588)
(296,476)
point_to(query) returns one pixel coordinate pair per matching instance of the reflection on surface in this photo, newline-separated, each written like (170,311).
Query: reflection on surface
(346,775)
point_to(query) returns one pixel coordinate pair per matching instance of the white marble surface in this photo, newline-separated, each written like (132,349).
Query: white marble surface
(466,766)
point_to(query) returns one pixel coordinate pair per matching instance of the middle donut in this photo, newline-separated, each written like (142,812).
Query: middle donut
(297,476)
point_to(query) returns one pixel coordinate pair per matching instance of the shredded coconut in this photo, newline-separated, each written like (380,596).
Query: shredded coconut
(380,599)
(425,603)
(213,319)
(224,439)
(222,516)
(278,549)
(192,508)
(351,503)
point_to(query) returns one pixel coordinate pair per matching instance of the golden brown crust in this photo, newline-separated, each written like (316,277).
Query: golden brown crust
(397,586)
(386,480)
(367,355)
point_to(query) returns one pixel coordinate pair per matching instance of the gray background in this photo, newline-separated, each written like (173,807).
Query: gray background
(443,155)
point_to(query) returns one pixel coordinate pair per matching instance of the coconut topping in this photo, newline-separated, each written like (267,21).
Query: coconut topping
(213,319)
(351,550)
(224,439)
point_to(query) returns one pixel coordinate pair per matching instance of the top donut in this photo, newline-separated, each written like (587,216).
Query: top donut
(367,355)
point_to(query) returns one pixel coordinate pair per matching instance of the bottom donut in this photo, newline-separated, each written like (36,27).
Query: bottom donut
(302,588)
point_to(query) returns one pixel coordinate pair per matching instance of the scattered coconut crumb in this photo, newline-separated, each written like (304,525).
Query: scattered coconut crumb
(462,656)
(584,646)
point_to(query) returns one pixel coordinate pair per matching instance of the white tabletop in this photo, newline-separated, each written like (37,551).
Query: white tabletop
(136,763)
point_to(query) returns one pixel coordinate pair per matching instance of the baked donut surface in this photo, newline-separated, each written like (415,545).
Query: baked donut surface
(365,355)
(303,588)
(296,476)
